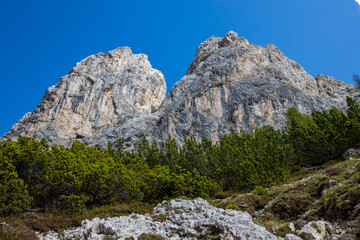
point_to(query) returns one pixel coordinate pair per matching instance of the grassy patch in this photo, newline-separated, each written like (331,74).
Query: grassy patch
(160,217)
(24,225)
(244,202)
(307,195)
(316,227)
(279,228)
(16,231)
(260,191)
(149,236)
(109,238)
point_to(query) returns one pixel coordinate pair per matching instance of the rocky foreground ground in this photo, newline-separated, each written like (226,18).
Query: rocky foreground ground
(291,211)
(186,219)
(177,219)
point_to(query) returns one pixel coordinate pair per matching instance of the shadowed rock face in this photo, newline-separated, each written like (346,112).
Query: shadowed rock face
(230,85)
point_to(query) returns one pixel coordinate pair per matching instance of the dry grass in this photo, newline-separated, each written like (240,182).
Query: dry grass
(23,225)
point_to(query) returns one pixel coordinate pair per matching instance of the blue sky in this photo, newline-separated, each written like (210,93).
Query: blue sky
(42,40)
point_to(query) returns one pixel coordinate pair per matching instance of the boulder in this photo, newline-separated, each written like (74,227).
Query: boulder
(177,219)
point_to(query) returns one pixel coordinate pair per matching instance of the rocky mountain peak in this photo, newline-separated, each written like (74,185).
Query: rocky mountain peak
(212,44)
(100,91)
(231,85)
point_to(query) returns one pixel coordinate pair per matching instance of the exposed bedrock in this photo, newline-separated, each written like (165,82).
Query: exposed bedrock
(230,85)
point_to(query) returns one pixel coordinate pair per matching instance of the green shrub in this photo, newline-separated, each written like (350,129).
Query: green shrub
(260,191)
(71,178)
(149,236)
(13,192)
(72,202)
(323,136)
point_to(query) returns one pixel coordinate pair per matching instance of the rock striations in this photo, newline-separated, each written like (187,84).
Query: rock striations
(231,85)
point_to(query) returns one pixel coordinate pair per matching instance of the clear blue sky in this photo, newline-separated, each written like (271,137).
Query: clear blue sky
(41,40)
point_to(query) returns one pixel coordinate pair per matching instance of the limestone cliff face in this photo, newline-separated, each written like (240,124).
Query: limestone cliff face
(233,85)
(230,85)
(101,91)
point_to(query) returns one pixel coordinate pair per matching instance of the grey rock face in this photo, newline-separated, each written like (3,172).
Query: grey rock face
(100,92)
(231,85)
(234,85)
(177,219)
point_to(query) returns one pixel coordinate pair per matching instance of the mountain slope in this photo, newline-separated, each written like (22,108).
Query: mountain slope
(230,85)
(101,91)
(234,85)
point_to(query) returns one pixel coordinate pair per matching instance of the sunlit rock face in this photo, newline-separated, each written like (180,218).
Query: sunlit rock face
(101,91)
(231,85)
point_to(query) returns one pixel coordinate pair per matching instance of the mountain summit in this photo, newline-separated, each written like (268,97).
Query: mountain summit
(101,91)
(231,85)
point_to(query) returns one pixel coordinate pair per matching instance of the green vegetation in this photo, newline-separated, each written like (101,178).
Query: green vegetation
(149,236)
(237,162)
(324,136)
(35,177)
(78,177)
(160,217)
(21,226)
(356,79)
(260,191)
(306,196)
(13,191)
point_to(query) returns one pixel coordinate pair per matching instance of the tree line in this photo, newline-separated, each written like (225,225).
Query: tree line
(35,175)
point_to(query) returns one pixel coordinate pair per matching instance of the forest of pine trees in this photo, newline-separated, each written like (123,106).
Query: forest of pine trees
(35,175)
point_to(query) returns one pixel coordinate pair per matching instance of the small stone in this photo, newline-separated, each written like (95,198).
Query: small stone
(352,152)
(299,224)
(310,233)
(292,227)
(316,230)
(332,182)
(292,237)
